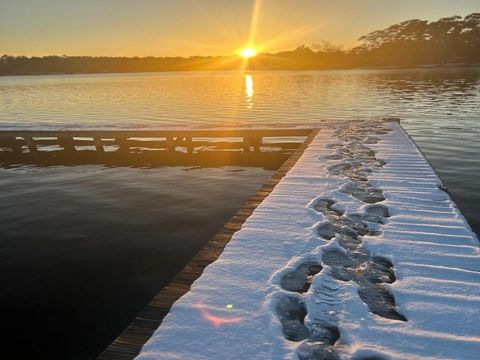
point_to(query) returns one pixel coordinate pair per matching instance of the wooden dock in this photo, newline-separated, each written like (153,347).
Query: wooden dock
(129,343)
(359,238)
(365,188)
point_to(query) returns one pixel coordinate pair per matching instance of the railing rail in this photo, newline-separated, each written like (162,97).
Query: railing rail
(169,140)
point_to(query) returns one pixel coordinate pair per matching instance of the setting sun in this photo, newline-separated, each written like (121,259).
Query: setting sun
(248,53)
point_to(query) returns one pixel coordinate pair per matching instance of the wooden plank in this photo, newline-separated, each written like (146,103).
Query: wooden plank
(159,144)
(217,143)
(129,344)
(47,142)
(283,145)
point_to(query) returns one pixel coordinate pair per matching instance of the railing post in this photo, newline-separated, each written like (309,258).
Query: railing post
(189,145)
(123,144)
(257,142)
(67,143)
(31,144)
(170,144)
(16,147)
(98,144)
(246,143)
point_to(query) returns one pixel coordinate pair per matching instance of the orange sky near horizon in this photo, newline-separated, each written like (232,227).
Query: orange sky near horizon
(192,27)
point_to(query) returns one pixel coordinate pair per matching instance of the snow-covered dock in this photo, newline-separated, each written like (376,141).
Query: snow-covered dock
(357,253)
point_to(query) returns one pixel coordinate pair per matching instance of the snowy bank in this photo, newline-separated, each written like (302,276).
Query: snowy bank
(358,253)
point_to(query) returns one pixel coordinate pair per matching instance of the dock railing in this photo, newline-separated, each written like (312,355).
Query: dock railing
(186,141)
(266,148)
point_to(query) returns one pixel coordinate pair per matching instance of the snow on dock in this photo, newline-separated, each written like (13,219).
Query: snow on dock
(358,253)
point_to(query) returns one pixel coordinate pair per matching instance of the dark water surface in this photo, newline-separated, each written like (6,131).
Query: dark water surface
(84,247)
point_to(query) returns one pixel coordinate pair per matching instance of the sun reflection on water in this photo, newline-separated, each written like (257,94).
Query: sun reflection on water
(249,90)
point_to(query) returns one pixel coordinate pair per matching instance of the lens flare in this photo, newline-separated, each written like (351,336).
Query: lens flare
(216,320)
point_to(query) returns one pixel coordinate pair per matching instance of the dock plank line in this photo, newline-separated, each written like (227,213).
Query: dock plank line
(129,343)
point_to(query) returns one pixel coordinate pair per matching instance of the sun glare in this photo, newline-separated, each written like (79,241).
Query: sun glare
(248,53)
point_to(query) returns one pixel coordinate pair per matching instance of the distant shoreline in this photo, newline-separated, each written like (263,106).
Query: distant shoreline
(412,44)
(398,67)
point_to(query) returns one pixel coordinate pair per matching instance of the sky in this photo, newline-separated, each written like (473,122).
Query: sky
(200,27)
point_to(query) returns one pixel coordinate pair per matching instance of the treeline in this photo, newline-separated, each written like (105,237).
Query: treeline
(448,40)
(410,43)
(19,65)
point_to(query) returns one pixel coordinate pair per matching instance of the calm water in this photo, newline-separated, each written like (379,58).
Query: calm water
(440,108)
(83,248)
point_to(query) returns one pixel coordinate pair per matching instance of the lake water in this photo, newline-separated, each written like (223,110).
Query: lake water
(84,247)
(440,108)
